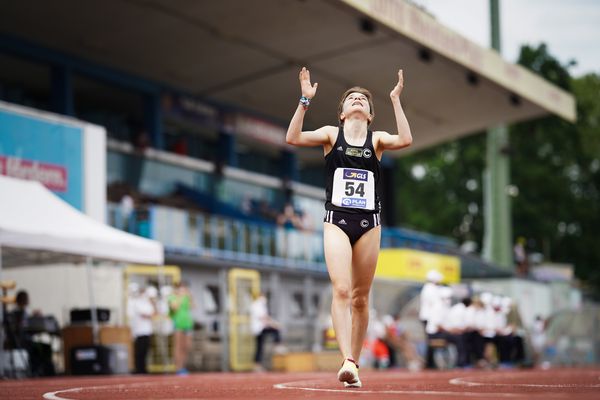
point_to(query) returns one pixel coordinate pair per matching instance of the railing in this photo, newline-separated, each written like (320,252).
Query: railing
(198,234)
(208,235)
(393,237)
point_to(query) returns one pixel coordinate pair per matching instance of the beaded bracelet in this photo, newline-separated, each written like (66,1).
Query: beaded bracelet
(305,102)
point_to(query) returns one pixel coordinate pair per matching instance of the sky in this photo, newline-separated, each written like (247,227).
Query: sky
(570,28)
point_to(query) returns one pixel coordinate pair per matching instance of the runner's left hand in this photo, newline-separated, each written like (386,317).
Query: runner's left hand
(397,90)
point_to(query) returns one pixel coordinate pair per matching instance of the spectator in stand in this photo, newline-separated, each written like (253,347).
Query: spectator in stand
(289,221)
(180,305)
(288,218)
(141,141)
(266,211)
(180,147)
(520,257)
(246,205)
(127,206)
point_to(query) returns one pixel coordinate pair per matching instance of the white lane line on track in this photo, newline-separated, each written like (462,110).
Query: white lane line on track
(54,395)
(287,385)
(464,382)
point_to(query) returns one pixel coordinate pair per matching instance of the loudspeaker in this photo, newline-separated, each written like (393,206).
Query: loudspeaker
(90,360)
(85,315)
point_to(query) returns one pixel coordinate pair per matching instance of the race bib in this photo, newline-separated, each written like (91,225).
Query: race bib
(353,188)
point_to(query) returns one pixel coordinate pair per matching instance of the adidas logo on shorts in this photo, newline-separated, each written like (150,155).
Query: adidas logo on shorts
(340,148)
(342,222)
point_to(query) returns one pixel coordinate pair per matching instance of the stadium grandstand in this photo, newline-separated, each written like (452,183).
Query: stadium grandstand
(180,110)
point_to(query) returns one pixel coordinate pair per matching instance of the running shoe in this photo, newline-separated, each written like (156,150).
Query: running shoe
(356,384)
(349,374)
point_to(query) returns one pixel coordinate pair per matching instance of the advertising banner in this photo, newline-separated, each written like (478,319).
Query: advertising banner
(413,265)
(45,151)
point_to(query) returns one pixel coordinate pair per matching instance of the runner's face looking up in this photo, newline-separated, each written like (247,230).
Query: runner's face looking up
(356,100)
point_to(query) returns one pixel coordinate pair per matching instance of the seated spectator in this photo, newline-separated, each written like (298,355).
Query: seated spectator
(455,326)
(262,326)
(441,328)
(488,328)
(399,342)
(475,317)
(20,335)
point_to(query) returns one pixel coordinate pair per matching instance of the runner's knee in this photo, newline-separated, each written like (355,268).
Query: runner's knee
(341,293)
(360,302)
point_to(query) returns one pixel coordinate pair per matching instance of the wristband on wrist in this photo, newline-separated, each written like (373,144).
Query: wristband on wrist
(305,102)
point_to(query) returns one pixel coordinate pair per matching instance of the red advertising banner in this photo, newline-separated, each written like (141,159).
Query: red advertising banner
(54,177)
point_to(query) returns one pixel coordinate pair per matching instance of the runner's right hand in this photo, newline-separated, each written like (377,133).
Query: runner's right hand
(308,90)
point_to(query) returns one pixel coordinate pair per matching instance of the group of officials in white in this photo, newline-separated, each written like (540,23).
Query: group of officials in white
(481,328)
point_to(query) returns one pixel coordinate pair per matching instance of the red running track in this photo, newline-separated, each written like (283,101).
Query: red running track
(574,384)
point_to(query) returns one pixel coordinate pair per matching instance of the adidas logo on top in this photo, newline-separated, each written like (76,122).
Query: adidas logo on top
(342,222)
(340,148)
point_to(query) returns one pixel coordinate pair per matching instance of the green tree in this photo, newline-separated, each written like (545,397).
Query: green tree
(440,189)
(554,164)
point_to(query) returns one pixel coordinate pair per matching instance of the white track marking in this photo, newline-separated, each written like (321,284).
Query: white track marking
(468,381)
(54,395)
(287,385)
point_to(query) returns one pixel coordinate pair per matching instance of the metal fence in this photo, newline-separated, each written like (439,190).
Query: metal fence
(209,235)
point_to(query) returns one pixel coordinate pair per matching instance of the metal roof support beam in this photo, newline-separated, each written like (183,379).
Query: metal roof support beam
(497,215)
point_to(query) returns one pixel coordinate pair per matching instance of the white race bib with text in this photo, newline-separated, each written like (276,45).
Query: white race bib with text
(353,188)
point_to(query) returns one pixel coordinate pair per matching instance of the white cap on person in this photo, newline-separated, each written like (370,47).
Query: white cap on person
(486,298)
(434,276)
(151,292)
(133,287)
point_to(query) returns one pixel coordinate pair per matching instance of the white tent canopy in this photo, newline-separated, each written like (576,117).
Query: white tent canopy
(32,217)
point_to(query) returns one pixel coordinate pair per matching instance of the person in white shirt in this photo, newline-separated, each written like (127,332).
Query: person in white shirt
(505,331)
(429,295)
(488,326)
(140,310)
(262,325)
(475,318)
(456,328)
(435,322)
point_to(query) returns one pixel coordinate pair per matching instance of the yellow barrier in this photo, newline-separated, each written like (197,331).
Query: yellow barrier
(161,358)
(242,284)
(413,265)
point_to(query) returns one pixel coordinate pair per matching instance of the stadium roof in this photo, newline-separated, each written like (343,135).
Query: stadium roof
(248,53)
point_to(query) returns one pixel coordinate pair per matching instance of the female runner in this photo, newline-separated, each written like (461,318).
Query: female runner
(351,228)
